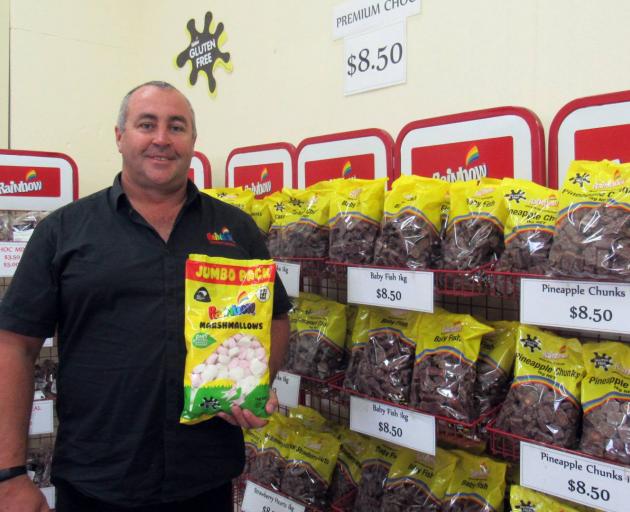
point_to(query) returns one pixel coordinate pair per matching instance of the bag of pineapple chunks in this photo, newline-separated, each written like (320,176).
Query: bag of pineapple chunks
(606,401)
(240,197)
(228,310)
(528,500)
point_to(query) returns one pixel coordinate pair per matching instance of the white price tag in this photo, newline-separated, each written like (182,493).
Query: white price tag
(398,289)
(290,275)
(259,499)
(375,59)
(575,478)
(10,254)
(591,306)
(287,387)
(356,16)
(49,494)
(41,418)
(399,426)
(48,342)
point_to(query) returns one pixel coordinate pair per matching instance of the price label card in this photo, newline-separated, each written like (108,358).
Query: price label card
(399,426)
(287,387)
(49,494)
(41,418)
(48,342)
(591,306)
(400,289)
(575,478)
(10,254)
(376,59)
(259,499)
(290,275)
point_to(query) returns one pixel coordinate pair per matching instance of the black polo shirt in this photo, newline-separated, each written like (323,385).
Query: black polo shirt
(97,272)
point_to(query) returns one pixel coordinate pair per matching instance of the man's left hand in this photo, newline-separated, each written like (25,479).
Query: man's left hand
(247,419)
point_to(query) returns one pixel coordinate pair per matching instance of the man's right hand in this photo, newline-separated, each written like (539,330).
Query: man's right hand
(20,494)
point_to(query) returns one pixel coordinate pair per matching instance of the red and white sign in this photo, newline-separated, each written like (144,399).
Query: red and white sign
(36,180)
(263,169)
(200,172)
(366,154)
(33,181)
(592,128)
(10,255)
(41,418)
(497,143)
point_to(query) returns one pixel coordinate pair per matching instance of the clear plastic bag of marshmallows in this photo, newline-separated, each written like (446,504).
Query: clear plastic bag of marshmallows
(228,312)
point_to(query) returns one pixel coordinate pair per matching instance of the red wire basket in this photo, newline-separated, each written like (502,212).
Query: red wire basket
(461,434)
(345,503)
(508,445)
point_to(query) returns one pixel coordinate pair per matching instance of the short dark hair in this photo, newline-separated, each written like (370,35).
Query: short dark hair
(124,104)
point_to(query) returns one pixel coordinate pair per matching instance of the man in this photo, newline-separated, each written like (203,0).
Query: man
(107,272)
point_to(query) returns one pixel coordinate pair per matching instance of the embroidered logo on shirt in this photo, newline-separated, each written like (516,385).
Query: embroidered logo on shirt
(225,237)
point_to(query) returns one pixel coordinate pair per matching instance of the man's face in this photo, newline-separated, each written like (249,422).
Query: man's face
(157,143)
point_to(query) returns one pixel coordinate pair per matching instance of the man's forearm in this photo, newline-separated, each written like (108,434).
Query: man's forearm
(279,344)
(17,359)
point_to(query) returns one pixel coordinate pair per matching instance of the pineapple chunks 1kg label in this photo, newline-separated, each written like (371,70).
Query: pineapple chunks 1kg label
(228,312)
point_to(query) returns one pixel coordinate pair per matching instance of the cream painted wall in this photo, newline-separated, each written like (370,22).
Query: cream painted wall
(4,73)
(70,65)
(73,60)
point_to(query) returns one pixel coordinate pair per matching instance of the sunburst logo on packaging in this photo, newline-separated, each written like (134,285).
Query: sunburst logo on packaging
(204,52)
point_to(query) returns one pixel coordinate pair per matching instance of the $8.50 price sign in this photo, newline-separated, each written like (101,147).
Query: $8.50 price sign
(399,289)
(592,306)
(376,59)
(400,426)
(581,479)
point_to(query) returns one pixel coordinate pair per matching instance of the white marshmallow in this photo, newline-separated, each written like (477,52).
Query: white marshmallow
(258,367)
(199,368)
(196,380)
(236,374)
(209,373)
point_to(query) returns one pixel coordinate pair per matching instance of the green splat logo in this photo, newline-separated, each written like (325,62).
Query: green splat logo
(204,52)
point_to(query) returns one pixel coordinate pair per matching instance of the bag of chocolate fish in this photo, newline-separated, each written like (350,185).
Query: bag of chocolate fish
(409,235)
(374,475)
(386,365)
(310,467)
(274,451)
(477,485)
(353,452)
(444,373)
(356,210)
(417,482)
(317,341)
